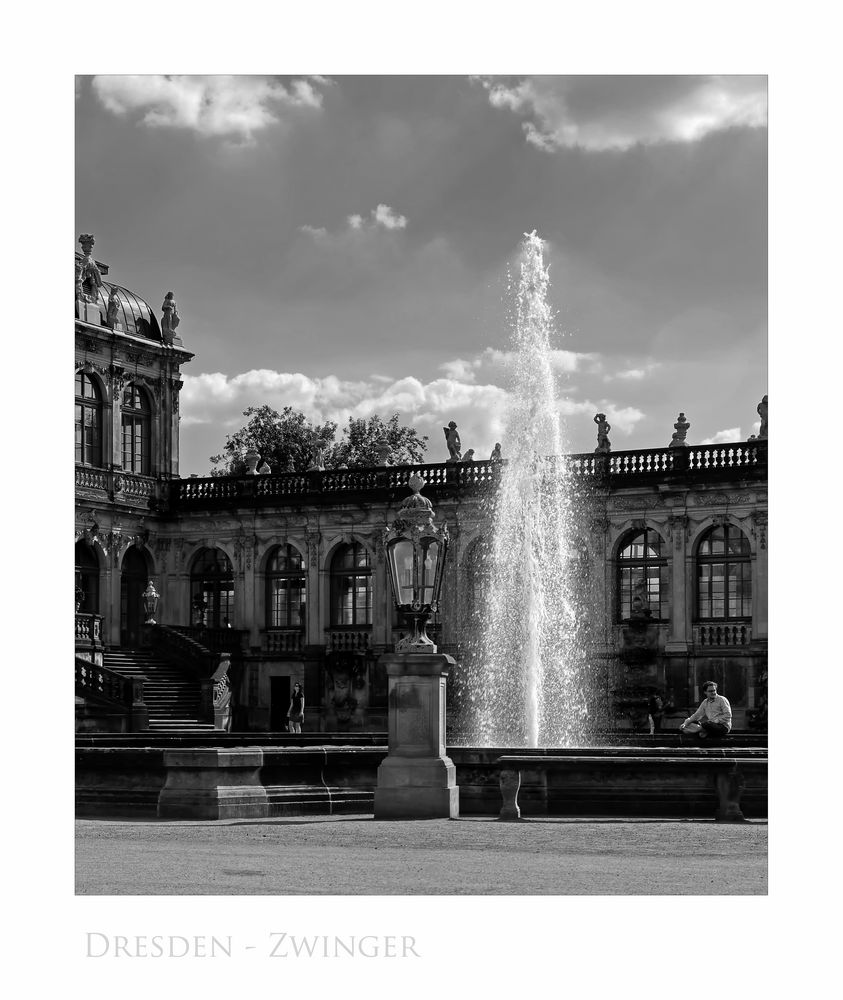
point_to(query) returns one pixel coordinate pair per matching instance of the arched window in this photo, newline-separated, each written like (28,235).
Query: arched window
(285,589)
(351,586)
(88,421)
(724,574)
(87,579)
(137,421)
(641,558)
(212,580)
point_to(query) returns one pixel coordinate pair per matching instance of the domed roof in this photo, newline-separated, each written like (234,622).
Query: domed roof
(134,315)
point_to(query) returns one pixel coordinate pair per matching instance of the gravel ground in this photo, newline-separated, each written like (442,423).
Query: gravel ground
(355,855)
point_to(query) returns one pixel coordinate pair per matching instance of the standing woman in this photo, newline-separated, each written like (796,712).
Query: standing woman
(296,712)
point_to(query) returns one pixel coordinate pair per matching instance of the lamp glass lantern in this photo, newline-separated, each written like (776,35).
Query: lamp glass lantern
(150,603)
(415,555)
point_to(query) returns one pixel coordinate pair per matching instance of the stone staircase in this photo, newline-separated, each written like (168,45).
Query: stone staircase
(172,697)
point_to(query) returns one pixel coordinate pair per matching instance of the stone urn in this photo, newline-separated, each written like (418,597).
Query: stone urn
(251,458)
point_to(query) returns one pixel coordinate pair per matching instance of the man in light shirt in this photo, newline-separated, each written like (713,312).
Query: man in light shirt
(712,719)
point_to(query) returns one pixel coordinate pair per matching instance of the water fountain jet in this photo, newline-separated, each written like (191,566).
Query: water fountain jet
(527,671)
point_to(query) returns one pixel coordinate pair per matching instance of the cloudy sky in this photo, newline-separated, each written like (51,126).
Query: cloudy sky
(342,244)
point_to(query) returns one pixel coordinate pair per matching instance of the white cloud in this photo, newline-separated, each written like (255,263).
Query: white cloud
(633,374)
(724,437)
(218,401)
(460,369)
(621,418)
(604,113)
(317,232)
(228,106)
(382,217)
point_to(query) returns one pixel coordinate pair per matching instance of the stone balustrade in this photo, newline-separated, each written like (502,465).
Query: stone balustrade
(282,641)
(347,640)
(454,477)
(115,485)
(88,629)
(723,634)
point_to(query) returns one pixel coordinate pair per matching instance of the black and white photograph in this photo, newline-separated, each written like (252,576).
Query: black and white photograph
(421,474)
(423,597)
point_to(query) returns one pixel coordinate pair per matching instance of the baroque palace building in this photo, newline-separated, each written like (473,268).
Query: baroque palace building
(264,580)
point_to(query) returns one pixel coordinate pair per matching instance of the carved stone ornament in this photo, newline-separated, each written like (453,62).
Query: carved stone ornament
(678,528)
(141,539)
(91,279)
(639,503)
(759,527)
(721,499)
(313,540)
(680,432)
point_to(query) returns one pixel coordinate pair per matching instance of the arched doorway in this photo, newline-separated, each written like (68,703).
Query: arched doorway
(133,580)
(212,579)
(87,580)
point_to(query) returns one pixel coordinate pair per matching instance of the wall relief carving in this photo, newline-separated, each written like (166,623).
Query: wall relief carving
(640,503)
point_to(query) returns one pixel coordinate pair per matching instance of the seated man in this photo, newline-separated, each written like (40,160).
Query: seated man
(712,719)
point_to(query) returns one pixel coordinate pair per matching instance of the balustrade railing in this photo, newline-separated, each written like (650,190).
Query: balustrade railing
(467,475)
(103,685)
(723,634)
(88,629)
(215,640)
(178,646)
(282,641)
(124,485)
(349,640)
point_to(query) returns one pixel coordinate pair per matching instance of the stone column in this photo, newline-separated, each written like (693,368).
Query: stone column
(417,780)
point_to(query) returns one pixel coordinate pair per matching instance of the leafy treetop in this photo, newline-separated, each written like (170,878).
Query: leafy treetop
(286,441)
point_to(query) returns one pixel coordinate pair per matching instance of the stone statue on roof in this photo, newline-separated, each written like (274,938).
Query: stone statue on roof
(91,277)
(452,439)
(604,445)
(762,412)
(170,318)
(113,309)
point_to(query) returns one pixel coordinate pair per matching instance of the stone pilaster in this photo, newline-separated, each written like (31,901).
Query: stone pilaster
(681,586)
(759,582)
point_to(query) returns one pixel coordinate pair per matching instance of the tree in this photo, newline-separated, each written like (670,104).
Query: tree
(283,440)
(361,439)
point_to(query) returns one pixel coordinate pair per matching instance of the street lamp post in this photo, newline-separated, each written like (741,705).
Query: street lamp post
(416,780)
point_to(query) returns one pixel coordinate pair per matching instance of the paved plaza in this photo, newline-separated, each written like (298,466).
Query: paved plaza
(355,855)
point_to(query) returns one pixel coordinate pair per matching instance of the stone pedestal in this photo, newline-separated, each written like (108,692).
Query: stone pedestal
(417,780)
(213,784)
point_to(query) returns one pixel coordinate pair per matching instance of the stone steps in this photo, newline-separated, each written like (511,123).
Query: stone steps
(172,699)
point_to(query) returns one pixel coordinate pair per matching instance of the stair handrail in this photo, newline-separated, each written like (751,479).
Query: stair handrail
(208,667)
(115,689)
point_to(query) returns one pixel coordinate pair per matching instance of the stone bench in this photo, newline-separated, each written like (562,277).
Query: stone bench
(692,783)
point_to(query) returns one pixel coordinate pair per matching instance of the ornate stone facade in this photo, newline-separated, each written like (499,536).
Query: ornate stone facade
(168,523)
